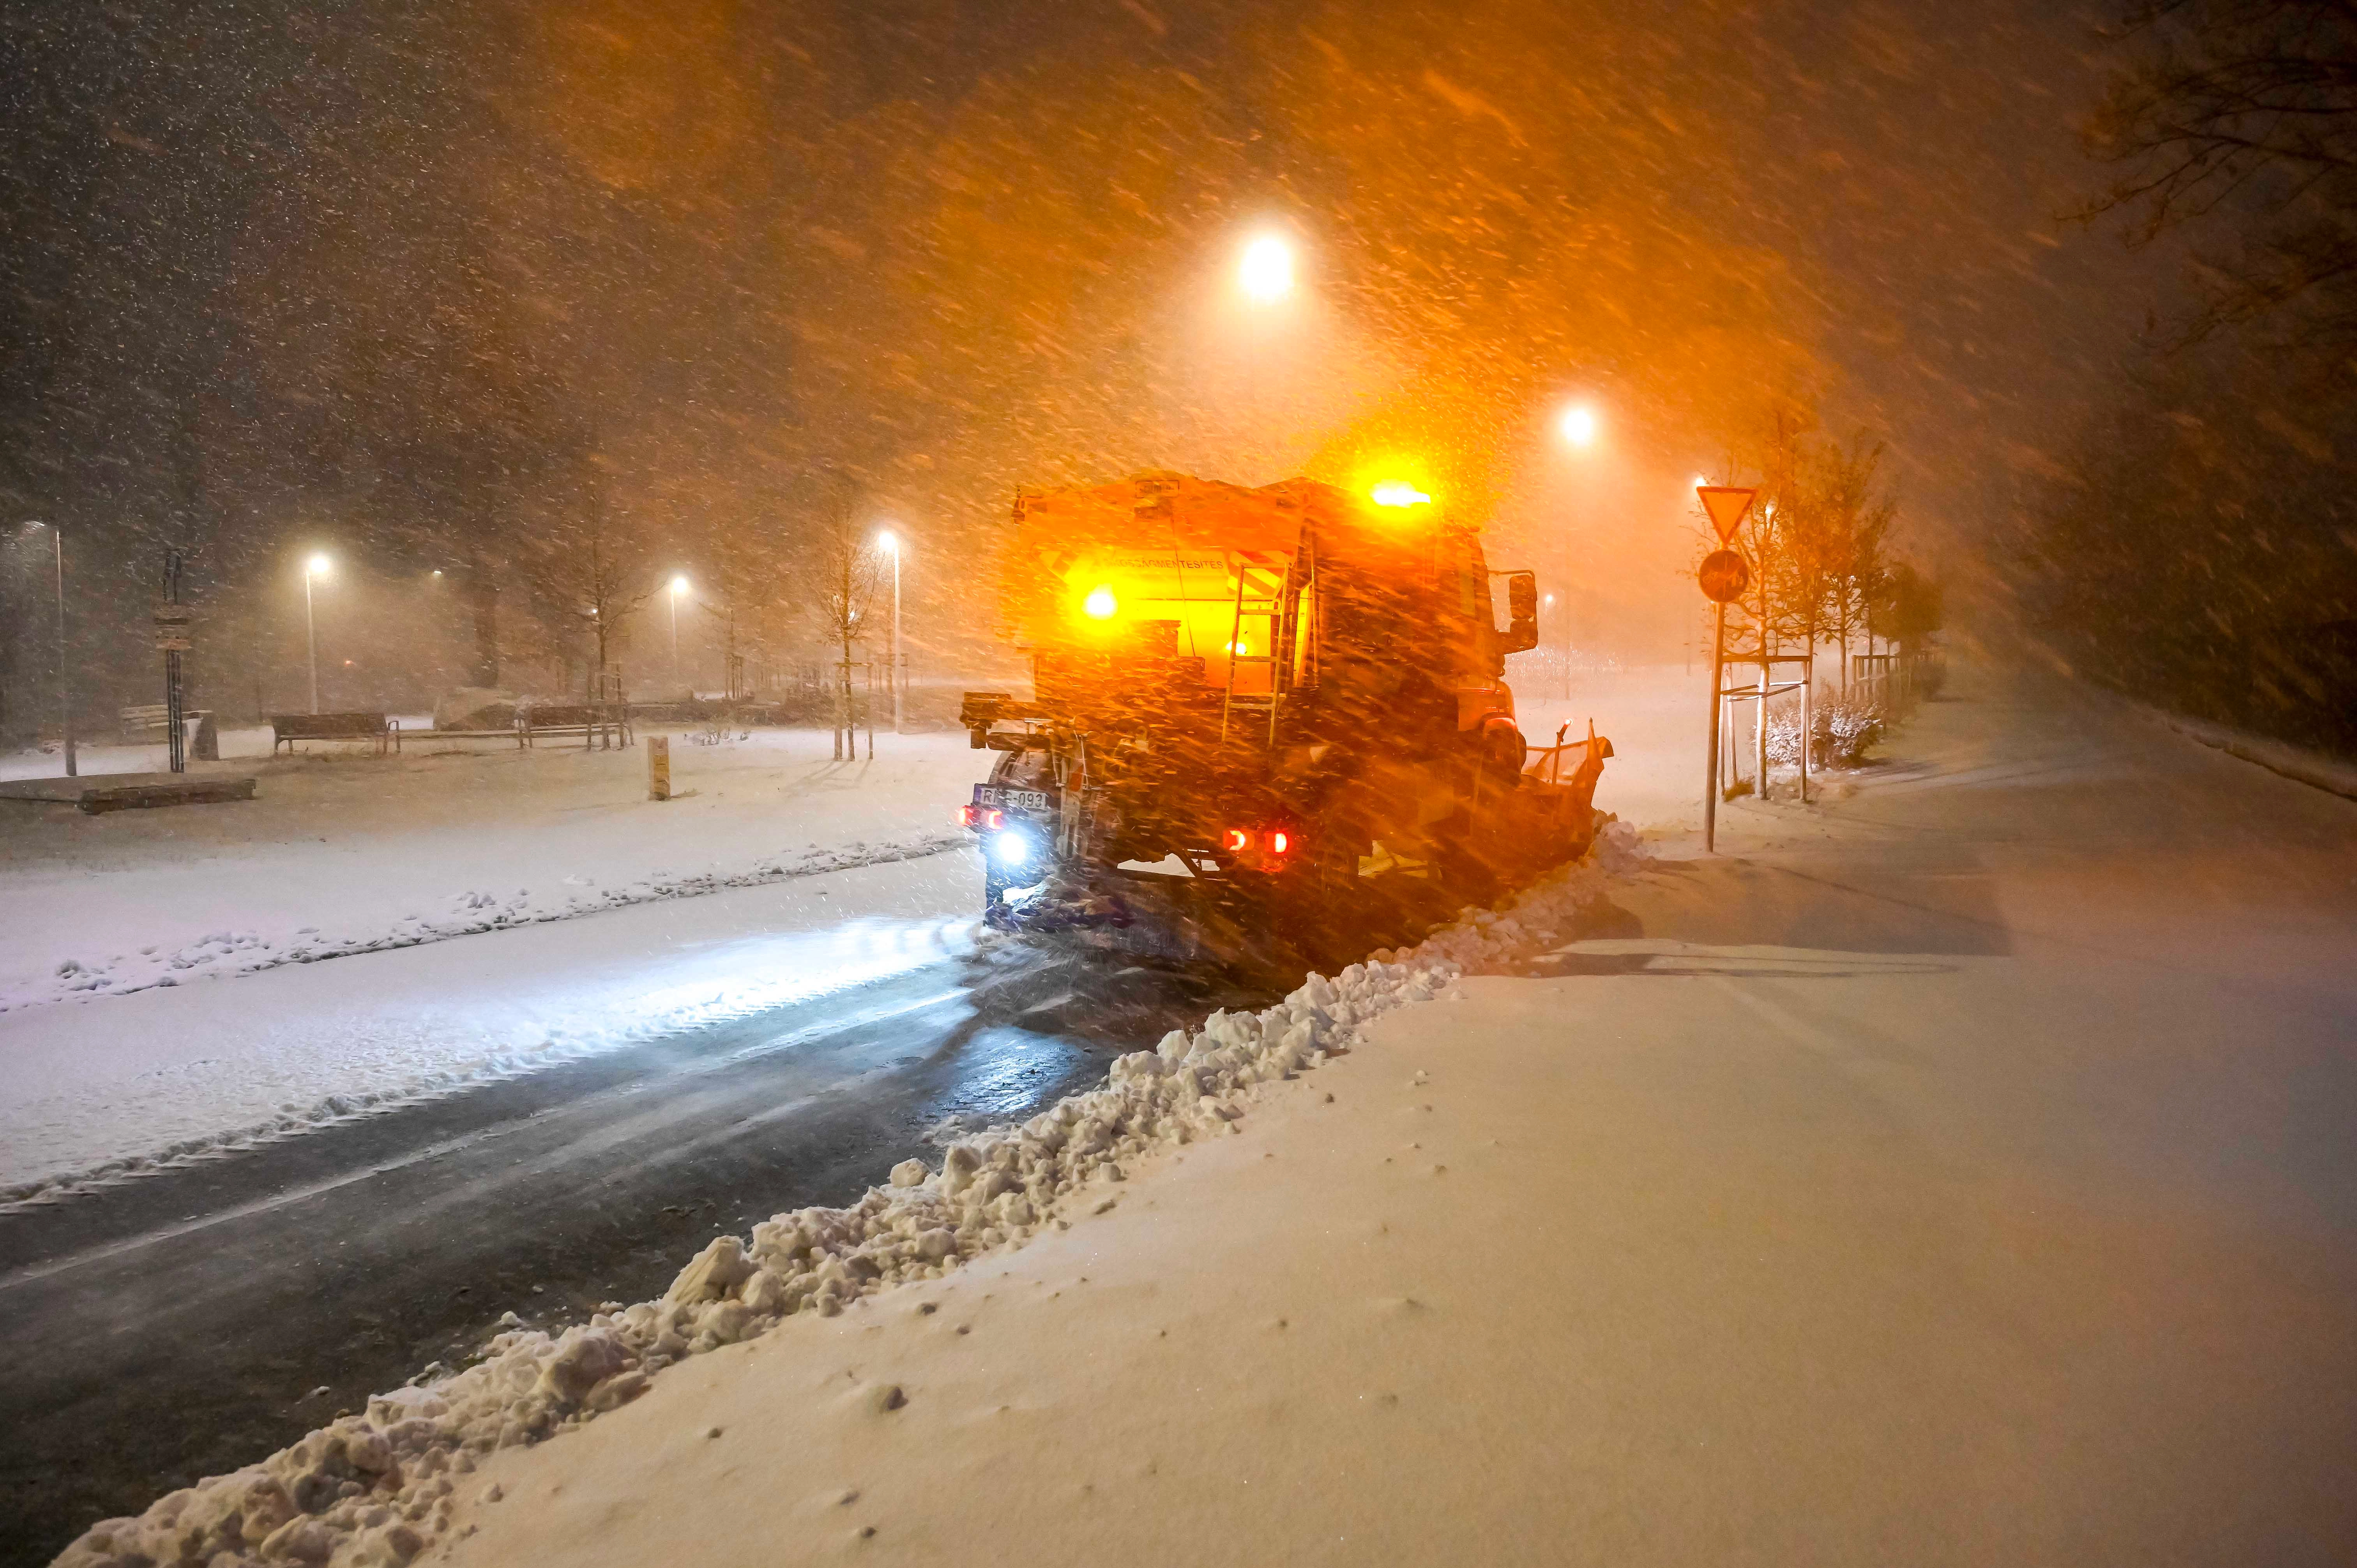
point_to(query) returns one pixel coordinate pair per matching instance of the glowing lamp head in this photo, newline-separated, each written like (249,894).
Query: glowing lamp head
(1100,605)
(1395,492)
(888,539)
(678,586)
(317,566)
(1577,425)
(1266,272)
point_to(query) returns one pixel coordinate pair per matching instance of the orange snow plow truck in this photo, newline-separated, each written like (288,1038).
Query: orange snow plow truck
(1260,707)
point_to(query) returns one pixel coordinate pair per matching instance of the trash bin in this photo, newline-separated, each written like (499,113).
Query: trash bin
(208,746)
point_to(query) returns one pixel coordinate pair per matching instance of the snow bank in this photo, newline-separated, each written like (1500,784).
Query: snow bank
(377,1487)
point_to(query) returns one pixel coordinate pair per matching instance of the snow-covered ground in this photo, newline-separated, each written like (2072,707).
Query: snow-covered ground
(1957,1172)
(342,852)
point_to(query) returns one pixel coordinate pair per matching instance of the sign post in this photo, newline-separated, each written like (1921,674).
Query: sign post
(1723,575)
(172,640)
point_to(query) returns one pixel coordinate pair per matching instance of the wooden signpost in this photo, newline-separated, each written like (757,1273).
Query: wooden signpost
(1723,575)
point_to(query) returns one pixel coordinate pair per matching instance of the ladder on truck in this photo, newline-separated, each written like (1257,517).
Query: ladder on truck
(1259,593)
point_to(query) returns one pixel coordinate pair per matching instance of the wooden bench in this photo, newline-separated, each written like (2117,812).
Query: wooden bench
(145,723)
(285,729)
(600,727)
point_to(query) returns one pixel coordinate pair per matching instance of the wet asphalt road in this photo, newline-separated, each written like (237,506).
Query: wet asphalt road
(195,1321)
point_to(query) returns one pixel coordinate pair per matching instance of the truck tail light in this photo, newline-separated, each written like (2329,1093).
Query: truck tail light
(965,816)
(994,818)
(1279,841)
(1238,840)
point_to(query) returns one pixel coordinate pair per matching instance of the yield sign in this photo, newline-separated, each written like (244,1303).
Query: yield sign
(1726,504)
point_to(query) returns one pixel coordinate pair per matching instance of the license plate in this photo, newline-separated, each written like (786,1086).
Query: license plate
(1010,800)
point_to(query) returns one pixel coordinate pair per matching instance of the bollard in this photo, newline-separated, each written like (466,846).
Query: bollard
(658,767)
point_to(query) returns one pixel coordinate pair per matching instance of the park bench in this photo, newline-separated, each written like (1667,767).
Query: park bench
(285,729)
(595,725)
(145,723)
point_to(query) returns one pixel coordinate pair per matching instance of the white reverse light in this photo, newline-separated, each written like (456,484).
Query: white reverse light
(1011,849)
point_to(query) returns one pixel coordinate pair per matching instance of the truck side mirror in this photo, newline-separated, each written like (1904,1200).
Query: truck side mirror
(1521,632)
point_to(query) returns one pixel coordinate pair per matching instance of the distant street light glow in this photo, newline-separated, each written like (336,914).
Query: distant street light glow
(1577,425)
(1100,605)
(317,566)
(678,586)
(1396,493)
(1267,269)
(890,541)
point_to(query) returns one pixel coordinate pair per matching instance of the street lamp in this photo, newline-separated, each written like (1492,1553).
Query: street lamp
(678,586)
(1577,425)
(65,698)
(317,566)
(1266,270)
(891,540)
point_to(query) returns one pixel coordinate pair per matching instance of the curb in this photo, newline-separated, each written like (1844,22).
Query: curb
(2300,767)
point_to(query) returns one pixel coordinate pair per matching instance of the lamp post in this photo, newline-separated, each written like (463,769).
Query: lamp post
(65,688)
(678,586)
(317,566)
(891,542)
(1577,425)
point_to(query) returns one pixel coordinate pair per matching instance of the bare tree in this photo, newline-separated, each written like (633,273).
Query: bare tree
(2243,109)
(848,569)
(594,575)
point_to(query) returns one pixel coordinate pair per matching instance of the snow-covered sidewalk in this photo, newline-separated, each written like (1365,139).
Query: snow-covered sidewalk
(1966,1180)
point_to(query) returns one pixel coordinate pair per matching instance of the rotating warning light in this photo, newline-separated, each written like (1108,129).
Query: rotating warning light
(1395,492)
(1100,604)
